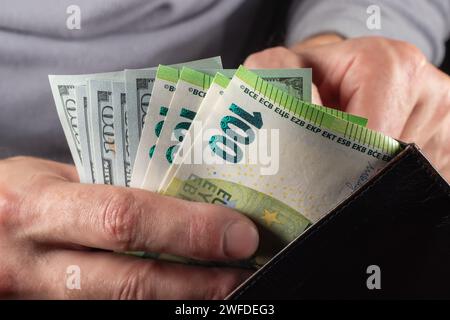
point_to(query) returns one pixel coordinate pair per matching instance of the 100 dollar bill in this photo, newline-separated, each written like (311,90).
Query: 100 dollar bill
(64,93)
(121,134)
(102,128)
(84,130)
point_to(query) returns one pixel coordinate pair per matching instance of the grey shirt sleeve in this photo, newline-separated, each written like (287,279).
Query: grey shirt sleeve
(424,23)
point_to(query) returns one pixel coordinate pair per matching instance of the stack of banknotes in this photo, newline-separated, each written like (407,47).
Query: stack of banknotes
(247,139)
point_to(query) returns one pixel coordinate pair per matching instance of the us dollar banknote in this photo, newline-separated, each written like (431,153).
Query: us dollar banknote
(103,135)
(121,134)
(85,133)
(63,90)
(64,94)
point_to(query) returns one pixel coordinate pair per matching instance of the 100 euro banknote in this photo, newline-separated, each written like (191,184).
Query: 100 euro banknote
(192,100)
(281,161)
(296,82)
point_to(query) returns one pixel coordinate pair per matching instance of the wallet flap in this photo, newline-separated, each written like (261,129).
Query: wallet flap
(399,222)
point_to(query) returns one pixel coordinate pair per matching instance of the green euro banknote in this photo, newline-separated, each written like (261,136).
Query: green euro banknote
(170,133)
(163,91)
(296,82)
(139,87)
(281,161)
(191,88)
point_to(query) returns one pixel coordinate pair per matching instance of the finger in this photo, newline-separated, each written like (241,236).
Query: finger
(273,58)
(432,110)
(101,275)
(15,169)
(122,219)
(327,73)
(316,99)
(387,110)
(378,87)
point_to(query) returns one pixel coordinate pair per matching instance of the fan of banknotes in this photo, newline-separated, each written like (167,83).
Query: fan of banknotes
(247,139)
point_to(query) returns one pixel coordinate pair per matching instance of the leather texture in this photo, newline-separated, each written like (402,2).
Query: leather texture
(399,221)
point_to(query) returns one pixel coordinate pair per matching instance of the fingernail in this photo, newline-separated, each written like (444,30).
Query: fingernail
(241,240)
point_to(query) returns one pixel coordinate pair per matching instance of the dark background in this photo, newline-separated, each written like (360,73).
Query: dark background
(446,63)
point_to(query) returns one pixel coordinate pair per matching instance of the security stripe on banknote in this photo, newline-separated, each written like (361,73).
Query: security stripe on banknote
(125,138)
(107,144)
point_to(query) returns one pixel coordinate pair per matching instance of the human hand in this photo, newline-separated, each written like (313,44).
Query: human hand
(389,82)
(48,221)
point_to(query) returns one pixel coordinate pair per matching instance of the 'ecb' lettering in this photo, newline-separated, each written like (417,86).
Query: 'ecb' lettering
(239,130)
